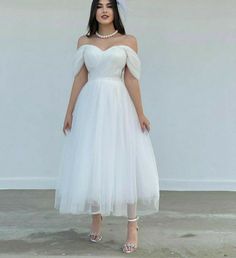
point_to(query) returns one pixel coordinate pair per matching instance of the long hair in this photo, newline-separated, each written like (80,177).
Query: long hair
(93,24)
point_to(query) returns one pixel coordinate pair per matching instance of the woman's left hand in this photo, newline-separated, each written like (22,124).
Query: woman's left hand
(144,122)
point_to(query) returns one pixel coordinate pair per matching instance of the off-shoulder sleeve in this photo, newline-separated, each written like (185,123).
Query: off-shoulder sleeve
(78,60)
(133,62)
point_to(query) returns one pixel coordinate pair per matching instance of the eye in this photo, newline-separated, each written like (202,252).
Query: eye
(108,6)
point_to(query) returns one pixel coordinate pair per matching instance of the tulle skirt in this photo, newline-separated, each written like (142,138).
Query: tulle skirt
(107,162)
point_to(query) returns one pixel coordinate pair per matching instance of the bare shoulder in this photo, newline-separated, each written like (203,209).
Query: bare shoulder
(132,42)
(82,40)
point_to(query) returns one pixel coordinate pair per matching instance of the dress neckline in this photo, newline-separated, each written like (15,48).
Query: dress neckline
(104,50)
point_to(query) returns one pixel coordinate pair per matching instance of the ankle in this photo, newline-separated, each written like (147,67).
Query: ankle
(132,223)
(96,216)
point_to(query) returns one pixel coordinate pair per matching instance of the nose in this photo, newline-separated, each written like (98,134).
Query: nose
(104,9)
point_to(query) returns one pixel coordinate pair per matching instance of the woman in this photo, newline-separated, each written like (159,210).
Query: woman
(108,165)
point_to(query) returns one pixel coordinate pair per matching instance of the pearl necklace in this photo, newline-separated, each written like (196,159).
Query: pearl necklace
(106,36)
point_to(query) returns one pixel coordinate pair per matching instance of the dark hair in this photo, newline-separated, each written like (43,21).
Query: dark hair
(93,24)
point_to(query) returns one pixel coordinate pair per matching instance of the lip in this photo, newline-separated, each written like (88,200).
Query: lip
(104,16)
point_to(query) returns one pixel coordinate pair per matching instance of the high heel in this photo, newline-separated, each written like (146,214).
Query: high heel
(130,247)
(94,236)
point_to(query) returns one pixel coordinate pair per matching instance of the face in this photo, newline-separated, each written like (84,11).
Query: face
(104,14)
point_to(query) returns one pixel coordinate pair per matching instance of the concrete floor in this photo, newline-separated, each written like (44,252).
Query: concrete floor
(189,224)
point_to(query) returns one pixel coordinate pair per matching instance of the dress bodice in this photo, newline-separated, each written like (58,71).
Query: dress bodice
(107,63)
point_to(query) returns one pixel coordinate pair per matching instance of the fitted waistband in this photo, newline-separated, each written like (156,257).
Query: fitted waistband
(105,78)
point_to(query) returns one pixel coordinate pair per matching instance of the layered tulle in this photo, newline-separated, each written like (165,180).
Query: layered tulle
(107,161)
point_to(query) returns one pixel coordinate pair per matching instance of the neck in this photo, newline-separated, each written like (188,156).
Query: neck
(106,29)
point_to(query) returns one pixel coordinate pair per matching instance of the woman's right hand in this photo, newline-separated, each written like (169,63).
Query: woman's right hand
(67,123)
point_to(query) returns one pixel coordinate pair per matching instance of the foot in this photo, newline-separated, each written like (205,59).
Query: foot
(131,243)
(95,229)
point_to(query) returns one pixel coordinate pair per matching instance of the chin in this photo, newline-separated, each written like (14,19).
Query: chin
(105,22)
(100,20)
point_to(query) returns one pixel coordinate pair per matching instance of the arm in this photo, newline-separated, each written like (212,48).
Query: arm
(79,81)
(133,87)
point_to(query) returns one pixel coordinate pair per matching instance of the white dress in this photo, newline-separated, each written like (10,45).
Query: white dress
(107,160)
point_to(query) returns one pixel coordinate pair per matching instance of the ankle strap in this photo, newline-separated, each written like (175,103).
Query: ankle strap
(135,219)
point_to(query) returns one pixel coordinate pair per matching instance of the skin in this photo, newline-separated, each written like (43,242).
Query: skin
(131,83)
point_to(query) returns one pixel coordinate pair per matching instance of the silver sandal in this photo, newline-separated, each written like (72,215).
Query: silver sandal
(94,236)
(130,247)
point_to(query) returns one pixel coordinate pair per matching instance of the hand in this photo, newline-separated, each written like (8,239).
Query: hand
(67,123)
(144,122)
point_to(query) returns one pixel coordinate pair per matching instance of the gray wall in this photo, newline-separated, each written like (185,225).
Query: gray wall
(188,55)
